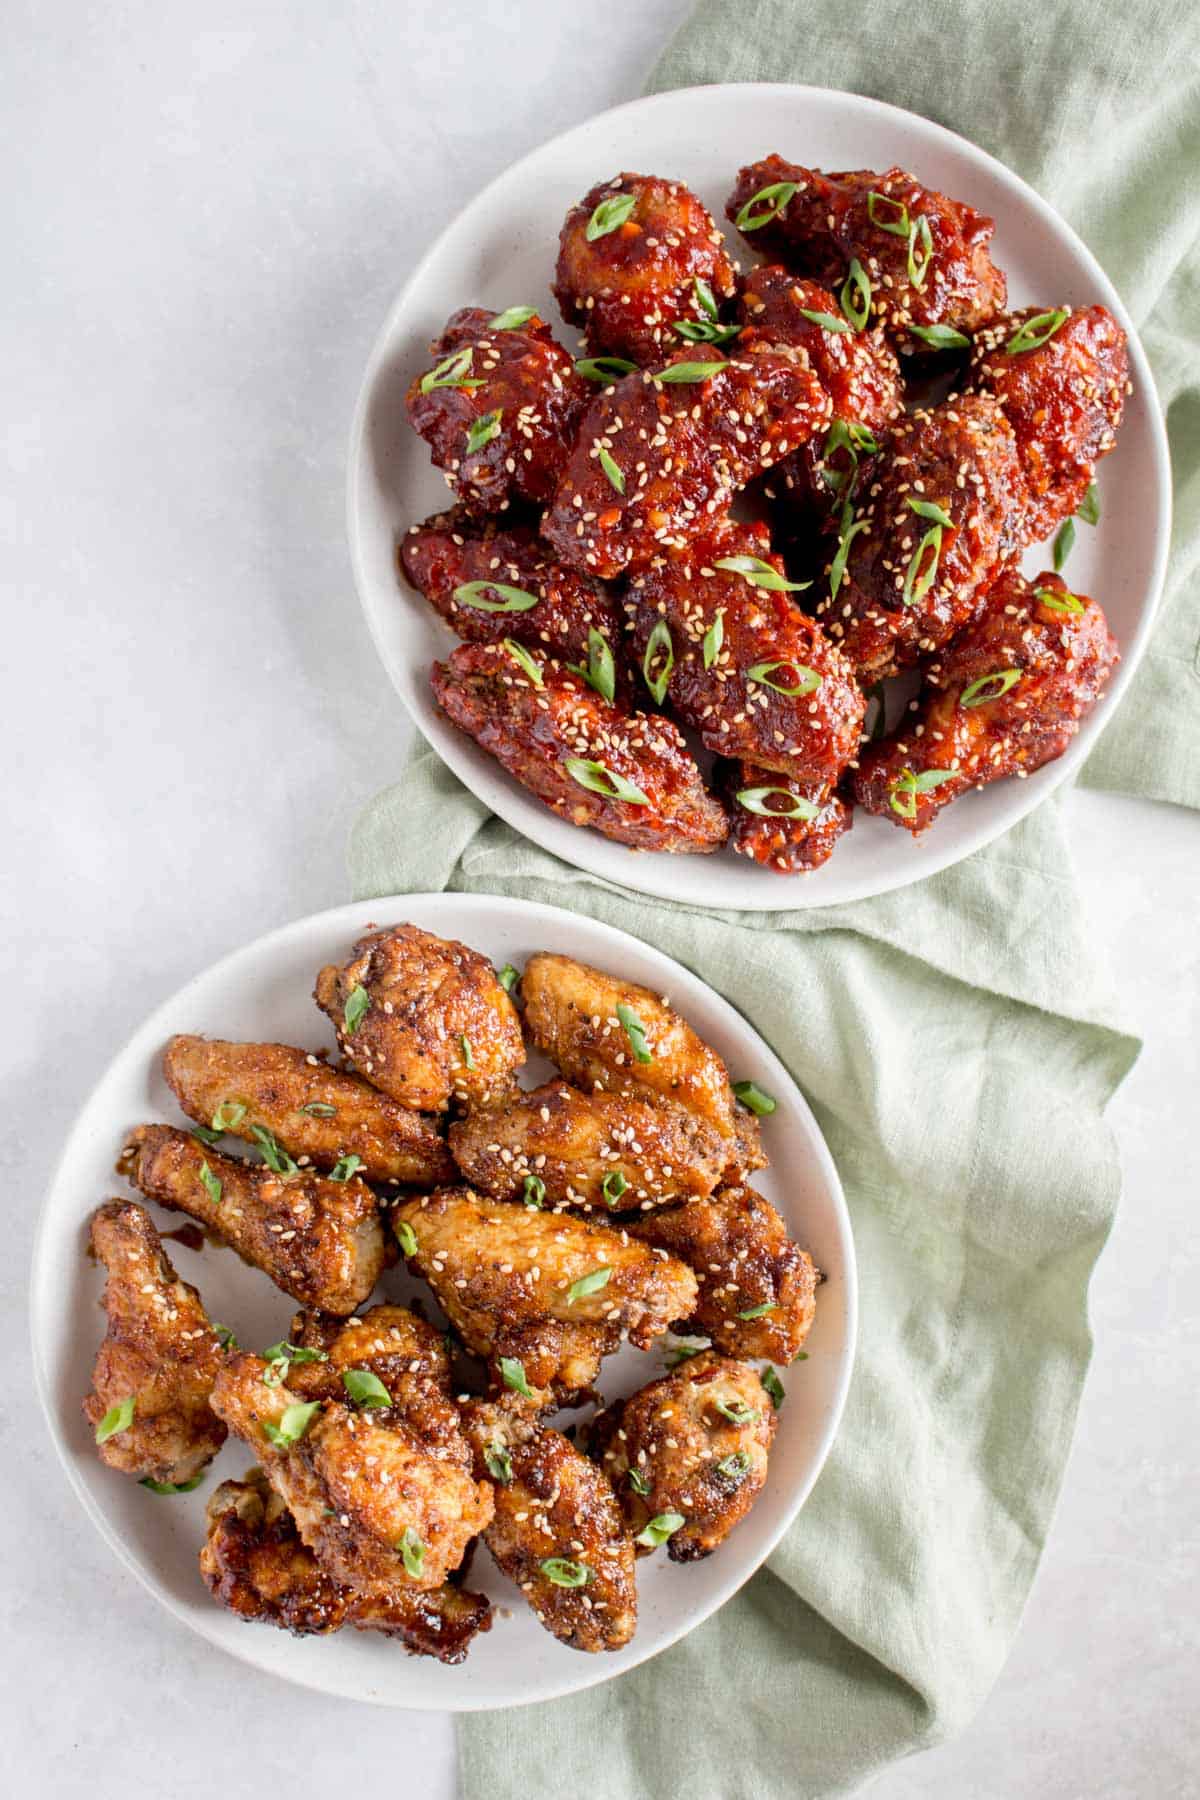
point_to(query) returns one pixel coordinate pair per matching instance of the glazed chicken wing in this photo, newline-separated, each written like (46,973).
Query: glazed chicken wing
(557,1531)
(942,512)
(629,774)
(489,584)
(378,1506)
(738,661)
(498,409)
(691,1447)
(785,824)
(659,455)
(325,1357)
(1061,378)
(423,1018)
(158,1361)
(255,1562)
(925,255)
(318,1239)
(630,256)
(1007,695)
(318,1115)
(612,1035)
(757,1286)
(610,1152)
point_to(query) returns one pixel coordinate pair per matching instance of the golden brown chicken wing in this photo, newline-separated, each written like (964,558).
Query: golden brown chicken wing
(610,1152)
(660,454)
(273,1093)
(423,1018)
(557,1530)
(637,256)
(318,1239)
(1007,695)
(255,1562)
(629,774)
(612,1035)
(378,1506)
(155,1370)
(757,1286)
(687,1455)
(388,1360)
(785,824)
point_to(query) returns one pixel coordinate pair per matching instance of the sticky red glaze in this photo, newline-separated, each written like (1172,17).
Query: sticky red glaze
(1065,660)
(789,846)
(626,288)
(531,380)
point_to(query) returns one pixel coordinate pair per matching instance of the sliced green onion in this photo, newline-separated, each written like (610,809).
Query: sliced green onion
(940,337)
(736,1411)
(756,1098)
(513,1375)
(682,1351)
(591,1283)
(1064,543)
(499,1464)
(482,430)
(616,478)
(468,1055)
(689,371)
(757,800)
(735,1467)
(358,1005)
(843,435)
(705,298)
(533,1191)
(274,1155)
(228,1115)
(365,1388)
(285,1352)
(407,1238)
(635,1031)
(613,1186)
(412,1553)
(899,227)
(508,978)
(771,200)
(978,693)
(638,1482)
(523,660)
(205,1136)
(917,585)
(594,776)
(837,569)
(1036,331)
(318,1109)
(450,372)
(807,682)
(604,369)
(929,509)
(564,1573)
(920,240)
(210,1183)
(704,331)
(760,1312)
(714,637)
(827,321)
(171,1487)
(1089,506)
(514,599)
(855,297)
(902,795)
(660,1528)
(118,1418)
(1061,602)
(600,671)
(512,317)
(294,1421)
(346,1166)
(609,216)
(773,1386)
(225,1337)
(658,644)
(760,574)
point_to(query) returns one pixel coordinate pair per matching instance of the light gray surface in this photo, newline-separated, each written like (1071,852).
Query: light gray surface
(205,215)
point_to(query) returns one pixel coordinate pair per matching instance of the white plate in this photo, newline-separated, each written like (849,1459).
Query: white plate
(500,252)
(263,992)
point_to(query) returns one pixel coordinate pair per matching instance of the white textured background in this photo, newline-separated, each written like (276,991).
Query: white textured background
(205,212)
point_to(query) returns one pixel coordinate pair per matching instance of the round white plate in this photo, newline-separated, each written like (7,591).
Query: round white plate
(500,252)
(263,992)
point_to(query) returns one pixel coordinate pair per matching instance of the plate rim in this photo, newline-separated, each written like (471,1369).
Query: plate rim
(353,915)
(790,893)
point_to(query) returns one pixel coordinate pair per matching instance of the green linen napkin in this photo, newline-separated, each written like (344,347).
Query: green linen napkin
(955,1039)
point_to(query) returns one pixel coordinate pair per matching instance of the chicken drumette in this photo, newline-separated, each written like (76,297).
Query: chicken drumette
(1007,695)
(255,1562)
(272,1093)
(720,640)
(489,584)
(155,1370)
(924,256)
(660,454)
(687,1454)
(498,409)
(628,774)
(318,1239)
(636,256)
(424,1018)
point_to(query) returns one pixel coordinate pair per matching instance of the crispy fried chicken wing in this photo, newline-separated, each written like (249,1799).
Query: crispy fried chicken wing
(557,1529)
(660,454)
(319,1240)
(451,554)
(926,256)
(255,1562)
(1063,396)
(626,284)
(423,1018)
(1007,695)
(774,690)
(574,1015)
(629,774)
(783,823)
(745,1262)
(160,1351)
(693,1444)
(913,577)
(380,1507)
(498,409)
(317,1114)
(611,1152)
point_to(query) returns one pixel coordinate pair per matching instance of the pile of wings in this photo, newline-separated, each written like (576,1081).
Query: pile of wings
(550,1223)
(611,601)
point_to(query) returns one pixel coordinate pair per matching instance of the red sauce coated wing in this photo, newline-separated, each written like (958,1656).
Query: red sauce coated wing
(788,844)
